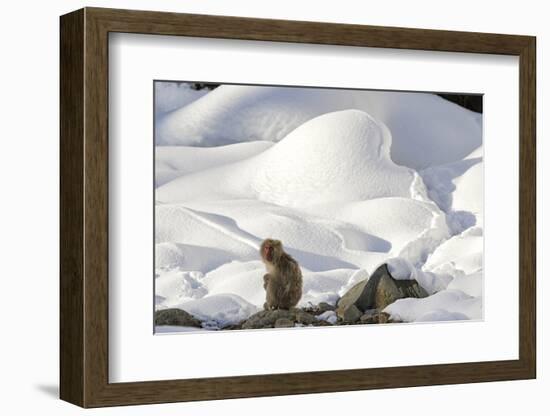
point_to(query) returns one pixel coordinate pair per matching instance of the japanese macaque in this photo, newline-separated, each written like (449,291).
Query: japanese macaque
(283,281)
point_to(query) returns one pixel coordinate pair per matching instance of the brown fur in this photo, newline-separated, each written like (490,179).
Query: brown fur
(283,281)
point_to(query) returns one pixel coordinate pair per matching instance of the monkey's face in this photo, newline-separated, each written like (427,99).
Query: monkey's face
(269,249)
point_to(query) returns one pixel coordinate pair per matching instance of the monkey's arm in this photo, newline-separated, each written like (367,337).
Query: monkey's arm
(266,280)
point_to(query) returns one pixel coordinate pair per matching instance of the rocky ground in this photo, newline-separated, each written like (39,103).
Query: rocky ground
(362,304)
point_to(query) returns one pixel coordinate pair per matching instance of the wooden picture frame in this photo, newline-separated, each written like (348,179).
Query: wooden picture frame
(84,207)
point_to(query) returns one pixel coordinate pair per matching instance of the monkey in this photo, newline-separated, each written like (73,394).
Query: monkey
(283,280)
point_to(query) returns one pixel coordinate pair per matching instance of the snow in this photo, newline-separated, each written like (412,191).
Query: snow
(237,113)
(308,167)
(329,316)
(174,161)
(176,286)
(457,188)
(402,269)
(347,180)
(471,284)
(219,310)
(462,252)
(445,305)
(171,96)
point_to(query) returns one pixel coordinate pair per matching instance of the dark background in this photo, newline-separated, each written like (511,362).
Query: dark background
(472,102)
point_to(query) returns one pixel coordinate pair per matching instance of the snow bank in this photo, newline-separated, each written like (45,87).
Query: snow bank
(324,286)
(170,96)
(457,188)
(444,305)
(220,310)
(463,252)
(344,245)
(174,161)
(471,284)
(342,156)
(244,279)
(328,316)
(190,257)
(178,224)
(176,286)
(414,228)
(236,113)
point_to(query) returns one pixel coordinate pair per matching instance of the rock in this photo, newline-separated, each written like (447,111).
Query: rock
(374,316)
(388,289)
(320,322)
(351,314)
(377,292)
(233,326)
(269,319)
(305,318)
(283,323)
(357,296)
(176,317)
(318,309)
(324,307)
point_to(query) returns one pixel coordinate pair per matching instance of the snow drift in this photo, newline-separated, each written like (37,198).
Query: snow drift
(342,156)
(427,130)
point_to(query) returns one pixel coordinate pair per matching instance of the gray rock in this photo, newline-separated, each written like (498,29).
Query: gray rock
(357,296)
(305,318)
(377,292)
(324,307)
(374,316)
(176,317)
(283,323)
(351,314)
(268,319)
(387,289)
(318,309)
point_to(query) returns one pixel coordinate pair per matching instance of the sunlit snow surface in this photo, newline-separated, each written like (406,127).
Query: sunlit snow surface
(345,179)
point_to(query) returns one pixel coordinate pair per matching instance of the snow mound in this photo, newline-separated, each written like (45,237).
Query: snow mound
(344,245)
(220,310)
(414,228)
(174,161)
(342,156)
(178,224)
(170,96)
(177,286)
(236,113)
(244,279)
(443,315)
(329,316)
(457,188)
(444,305)
(471,284)
(463,252)
(324,286)
(190,257)
(401,269)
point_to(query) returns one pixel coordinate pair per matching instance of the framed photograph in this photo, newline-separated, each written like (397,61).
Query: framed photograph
(254,207)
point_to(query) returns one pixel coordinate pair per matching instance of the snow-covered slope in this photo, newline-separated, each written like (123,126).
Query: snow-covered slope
(457,188)
(342,156)
(427,130)
(171,96)
(174,161)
